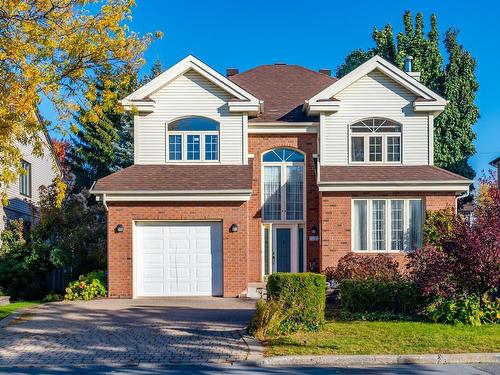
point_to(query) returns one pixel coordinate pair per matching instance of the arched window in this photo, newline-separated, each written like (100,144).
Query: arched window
(283,155)
(193,139)
(376,140)
(283,179)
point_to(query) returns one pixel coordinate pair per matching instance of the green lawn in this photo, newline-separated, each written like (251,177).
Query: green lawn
(388,338)
(6,310)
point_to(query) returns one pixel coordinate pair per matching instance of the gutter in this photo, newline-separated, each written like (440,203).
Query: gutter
(99,196)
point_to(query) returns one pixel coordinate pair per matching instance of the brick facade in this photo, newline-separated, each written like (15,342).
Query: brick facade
(242,251)
(120,245)
(257,145)
(336,219)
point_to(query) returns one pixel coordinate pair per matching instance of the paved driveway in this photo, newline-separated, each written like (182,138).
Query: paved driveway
(175,330)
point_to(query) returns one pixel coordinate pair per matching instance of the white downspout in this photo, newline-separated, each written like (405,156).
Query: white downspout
(460,197)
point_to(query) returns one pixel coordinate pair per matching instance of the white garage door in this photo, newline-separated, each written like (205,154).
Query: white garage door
(178,259)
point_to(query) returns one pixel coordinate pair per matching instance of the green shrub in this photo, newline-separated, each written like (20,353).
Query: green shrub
(367,296)
(53,297)
(301,297)
(87,287)
(267,320)
(438,226)
(466,311)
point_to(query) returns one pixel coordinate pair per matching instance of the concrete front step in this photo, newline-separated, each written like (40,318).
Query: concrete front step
(256,290)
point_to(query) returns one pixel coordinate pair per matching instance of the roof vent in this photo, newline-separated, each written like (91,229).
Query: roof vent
(408,64)
(231,72)
(280,63)
(326,72)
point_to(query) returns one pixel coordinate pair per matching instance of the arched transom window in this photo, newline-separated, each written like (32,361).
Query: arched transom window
(375,140)
(193,139)
(283,185)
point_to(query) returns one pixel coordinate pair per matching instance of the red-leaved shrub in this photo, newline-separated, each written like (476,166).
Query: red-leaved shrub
(466,260)
(380,267)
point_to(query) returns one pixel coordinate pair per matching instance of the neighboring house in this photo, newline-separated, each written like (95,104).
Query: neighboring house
(23,195)
(496,163)
(279,168)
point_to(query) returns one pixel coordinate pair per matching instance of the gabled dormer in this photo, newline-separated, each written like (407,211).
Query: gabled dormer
(376,114)
(191,114)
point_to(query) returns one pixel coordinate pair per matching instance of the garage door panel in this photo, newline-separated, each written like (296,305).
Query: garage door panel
(179,259)
(179,244)
(152,259)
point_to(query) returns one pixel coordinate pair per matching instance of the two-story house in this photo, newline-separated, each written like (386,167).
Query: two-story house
(279,168)
(23,195)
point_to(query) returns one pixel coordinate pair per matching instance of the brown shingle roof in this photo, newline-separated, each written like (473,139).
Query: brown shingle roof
(386,173)
(283,88)
(168,177)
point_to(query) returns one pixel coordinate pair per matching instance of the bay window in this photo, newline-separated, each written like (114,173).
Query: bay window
(387,224)
(193,139)
(375,140)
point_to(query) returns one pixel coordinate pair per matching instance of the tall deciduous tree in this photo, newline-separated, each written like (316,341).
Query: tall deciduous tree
(456,81)
(51,49)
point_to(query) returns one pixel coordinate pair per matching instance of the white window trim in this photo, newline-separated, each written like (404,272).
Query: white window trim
(184,135)
(26,180)
(283,166)
(388,223)
(366,135)
(294,249)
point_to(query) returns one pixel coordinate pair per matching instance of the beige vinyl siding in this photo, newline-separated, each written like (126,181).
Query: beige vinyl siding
(42,173)
(188,95)
(375,95)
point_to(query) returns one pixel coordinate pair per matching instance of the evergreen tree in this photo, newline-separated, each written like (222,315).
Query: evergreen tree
(456,82)
(155,71)
(101,144)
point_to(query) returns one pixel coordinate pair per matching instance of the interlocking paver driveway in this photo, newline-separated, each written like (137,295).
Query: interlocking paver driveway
(175,330)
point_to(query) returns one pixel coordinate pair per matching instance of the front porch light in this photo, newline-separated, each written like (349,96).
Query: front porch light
(119,228)
(233,228)
(314,230)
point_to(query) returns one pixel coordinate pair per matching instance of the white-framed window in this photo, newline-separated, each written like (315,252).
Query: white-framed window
(387,224)
(375,140)
(193,139)
(283,185)
(25,179)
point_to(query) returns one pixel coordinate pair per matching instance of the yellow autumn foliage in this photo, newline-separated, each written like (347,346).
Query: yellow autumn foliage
(50,49)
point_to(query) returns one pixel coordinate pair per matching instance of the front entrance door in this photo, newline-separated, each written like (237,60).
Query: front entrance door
(283,255)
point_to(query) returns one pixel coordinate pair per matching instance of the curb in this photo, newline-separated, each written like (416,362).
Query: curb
(350,360)
(255,350)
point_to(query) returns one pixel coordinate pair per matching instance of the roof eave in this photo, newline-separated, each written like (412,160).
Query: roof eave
(236,195)
(191,62)
(456,186)
(315,108)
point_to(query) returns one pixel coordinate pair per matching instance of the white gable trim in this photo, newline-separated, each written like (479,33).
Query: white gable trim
(433,102)
(137,98)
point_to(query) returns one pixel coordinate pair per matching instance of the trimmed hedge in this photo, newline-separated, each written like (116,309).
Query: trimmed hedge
(295,302)
(370,296)
(302,294)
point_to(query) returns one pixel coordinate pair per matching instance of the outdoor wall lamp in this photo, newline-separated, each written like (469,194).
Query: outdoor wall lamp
(233,228)
(314,230)
(119,228)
